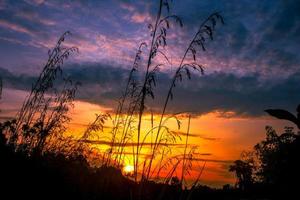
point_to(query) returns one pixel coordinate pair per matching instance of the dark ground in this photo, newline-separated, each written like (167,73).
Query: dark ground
(56,177)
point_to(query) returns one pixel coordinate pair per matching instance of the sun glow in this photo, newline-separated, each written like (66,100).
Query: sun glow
(128,169)
(214,133)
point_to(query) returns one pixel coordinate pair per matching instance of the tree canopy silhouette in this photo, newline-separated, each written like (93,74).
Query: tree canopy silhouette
(276,170)
(279,158)
(244,172)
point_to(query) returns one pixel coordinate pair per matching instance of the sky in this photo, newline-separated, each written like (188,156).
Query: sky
(251,65)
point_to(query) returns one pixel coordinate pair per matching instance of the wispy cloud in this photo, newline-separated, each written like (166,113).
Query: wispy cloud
(258,37)
(197,135)
(140,17)
(213,160)
(130,144)
(16,27)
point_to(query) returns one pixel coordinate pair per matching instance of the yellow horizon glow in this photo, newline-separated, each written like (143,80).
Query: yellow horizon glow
(128,169)
(220,139)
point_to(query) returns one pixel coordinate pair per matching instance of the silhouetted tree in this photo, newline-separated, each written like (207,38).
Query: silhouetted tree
(244,172)
(279,157)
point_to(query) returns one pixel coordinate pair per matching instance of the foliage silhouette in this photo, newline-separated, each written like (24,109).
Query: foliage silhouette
(243,171)
(283,114)
(279,157)
(273,166)
(53,175)
(42,120)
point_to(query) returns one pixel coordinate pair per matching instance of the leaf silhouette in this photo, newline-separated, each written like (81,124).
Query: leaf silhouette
(283,114)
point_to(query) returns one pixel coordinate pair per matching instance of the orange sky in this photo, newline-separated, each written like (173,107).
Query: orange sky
(219,140)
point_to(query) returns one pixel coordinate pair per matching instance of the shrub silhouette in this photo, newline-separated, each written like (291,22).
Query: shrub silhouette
(279,157)
(275,173)
(243,171)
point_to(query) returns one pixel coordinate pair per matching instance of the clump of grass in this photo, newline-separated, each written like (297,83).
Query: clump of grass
(204,32)
(43,115)
(128,117)
(158,33)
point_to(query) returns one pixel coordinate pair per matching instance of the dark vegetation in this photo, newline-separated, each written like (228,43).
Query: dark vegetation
(54,175)
(273,166)
(38,161)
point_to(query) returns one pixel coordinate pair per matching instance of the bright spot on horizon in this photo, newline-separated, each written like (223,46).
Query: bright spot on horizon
(128,169)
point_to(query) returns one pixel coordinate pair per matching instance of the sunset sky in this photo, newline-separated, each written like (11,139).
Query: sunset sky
(252,64)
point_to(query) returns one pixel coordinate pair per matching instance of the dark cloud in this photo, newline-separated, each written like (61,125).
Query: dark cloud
(130,144)
(244,95)
(213,160)
(17,81)
(247,95)
(100,83)
(197,135)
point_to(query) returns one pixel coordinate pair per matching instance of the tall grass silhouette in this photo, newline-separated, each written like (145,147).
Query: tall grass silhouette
(129,115)
(42,119)
(144,89)
(40,125)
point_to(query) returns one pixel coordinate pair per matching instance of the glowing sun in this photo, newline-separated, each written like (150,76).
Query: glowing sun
(128,169)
